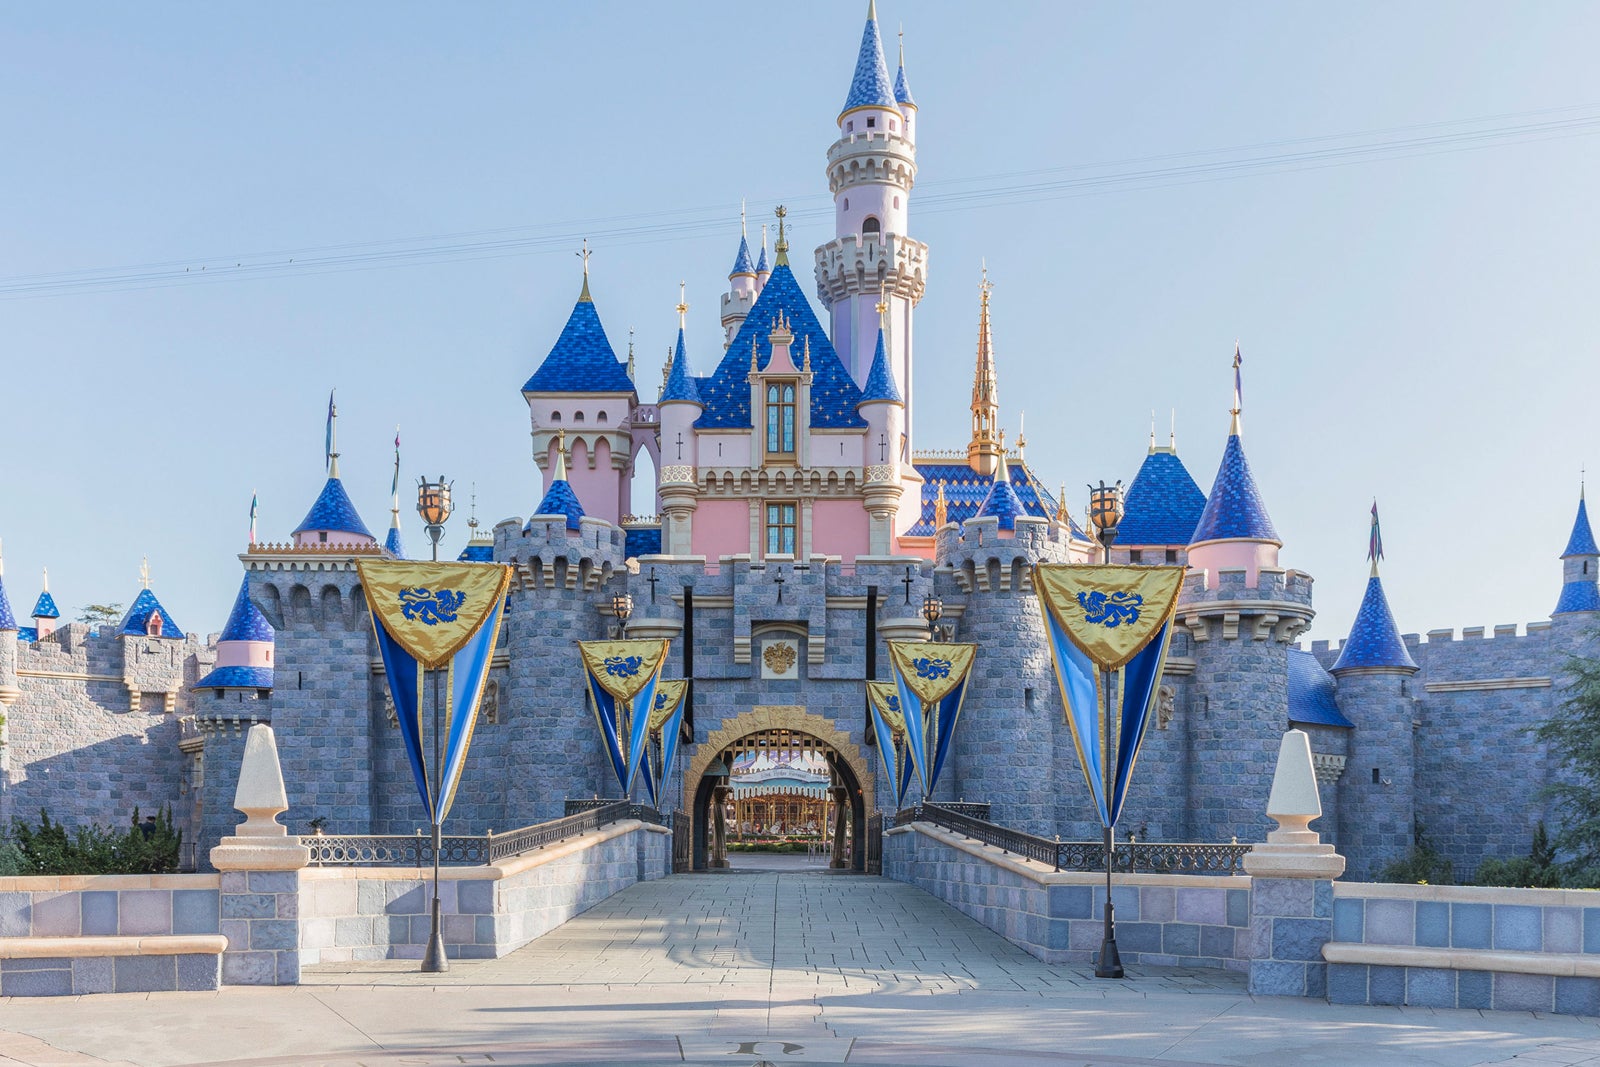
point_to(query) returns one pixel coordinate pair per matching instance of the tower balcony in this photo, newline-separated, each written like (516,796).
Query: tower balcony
(872,157)
(854,265)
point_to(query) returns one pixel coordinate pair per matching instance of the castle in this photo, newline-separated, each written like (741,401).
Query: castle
(799,528)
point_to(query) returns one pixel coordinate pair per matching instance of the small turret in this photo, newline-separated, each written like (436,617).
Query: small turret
(8,621)
(1163,505)
(333,518)
(743,287)
(1579,565)
(244,651)
(559,499)
(392,543)
(45,613)
(146,617)
(1374,643)
(885,411)
(1002,502)
(902,94)
(9,632)
(1234,532)
(763,264)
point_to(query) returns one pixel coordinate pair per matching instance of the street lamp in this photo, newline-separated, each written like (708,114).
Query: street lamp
(433,504)
(622,608)
(933,611)
(1105,512)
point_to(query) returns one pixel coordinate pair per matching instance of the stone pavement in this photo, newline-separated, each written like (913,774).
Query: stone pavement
(791,965)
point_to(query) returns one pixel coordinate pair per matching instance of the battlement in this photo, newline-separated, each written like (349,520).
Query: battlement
(853,264)
(978,556)
(1500,633)
(1275,584)
(547,555)
(308,557)
(1277,607)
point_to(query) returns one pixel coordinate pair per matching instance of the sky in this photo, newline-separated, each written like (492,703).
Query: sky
(214,214)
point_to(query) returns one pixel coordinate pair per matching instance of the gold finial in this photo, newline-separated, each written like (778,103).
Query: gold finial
(472,516)
(805,365)
(1238,392)
(985,284)
(872,10)
(882,305)
(144,573)
(1063,519)
(561,457)
(1152,432)
(584,254)
(782,247)
(630,353)
(683,305)
(753,360)
(1172,432)
(941,511)
(1022,434)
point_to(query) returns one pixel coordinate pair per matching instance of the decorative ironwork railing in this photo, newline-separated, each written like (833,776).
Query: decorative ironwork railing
(1127,857)
(401,850)
(973,809)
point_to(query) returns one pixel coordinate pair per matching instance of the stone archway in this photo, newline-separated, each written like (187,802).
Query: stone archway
(779,717)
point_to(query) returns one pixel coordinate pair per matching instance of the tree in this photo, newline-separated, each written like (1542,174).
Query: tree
(1572,737)
(96,614)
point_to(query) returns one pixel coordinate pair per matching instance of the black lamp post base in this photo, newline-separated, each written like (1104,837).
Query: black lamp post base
(1109,963)
(435,961)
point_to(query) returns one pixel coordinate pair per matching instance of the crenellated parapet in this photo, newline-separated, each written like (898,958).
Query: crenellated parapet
(546,554)
(856,265)
(978,558)
(1277,607)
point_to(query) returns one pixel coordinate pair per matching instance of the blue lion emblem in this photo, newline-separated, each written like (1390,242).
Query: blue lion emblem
(1110,611)
(929,667)
(623,666)
(893,703)
(661,701)
(419,602)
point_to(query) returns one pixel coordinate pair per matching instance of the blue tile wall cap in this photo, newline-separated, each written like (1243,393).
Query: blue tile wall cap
(1581,543)
(681,386)
(880,387)
(334,513)
(1374,642)
(137,621)
(245,621)
(641,541)
(237,678)
(477,552)
(1235,511)
(582,359)
(1163,505)
(870,85)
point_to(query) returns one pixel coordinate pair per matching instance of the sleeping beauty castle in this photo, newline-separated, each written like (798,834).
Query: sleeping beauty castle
(800,526)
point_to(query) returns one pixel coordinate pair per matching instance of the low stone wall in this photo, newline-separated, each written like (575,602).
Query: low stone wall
(1187,920)
(1465,947)
(109,933)
(374,913)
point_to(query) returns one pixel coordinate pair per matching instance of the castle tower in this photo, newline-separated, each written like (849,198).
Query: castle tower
(559,500)
(333,519)
(1002,503)
(763,265)
(244,651)
(583,389)
(1242,612)
(884,409)
(392,543)
(742,288)
(1377,796)
(45,613)
(871,169)
(1580,567)
(680,406)
(1162,508)
(985,451)
(9,692)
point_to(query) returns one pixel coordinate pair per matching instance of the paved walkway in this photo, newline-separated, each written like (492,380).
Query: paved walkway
(788,966)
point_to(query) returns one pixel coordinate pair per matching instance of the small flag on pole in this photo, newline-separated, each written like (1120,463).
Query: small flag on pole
(327,443)
(1375,541)
(394,486)
(254,504)
(1238,382)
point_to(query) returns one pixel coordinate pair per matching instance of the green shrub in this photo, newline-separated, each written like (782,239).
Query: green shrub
(1421,866)
(12,862)
(50,848)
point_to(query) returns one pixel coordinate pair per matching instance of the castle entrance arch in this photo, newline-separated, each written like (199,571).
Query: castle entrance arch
(793,779)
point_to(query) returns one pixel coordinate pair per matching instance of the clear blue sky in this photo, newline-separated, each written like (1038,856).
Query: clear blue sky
(1417,308)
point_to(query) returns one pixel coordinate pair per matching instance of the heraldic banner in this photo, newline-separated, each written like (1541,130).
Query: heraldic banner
(666,717)
(622,688)
(931,680)
(1113,619)
(889,725)
(430,617)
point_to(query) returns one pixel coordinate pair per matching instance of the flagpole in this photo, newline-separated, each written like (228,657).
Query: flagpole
(433,504)
(1105,510)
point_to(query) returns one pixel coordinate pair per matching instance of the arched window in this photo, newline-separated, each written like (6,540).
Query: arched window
(870,225)
(577,416)
(600,418)
(555,416)
(847,203)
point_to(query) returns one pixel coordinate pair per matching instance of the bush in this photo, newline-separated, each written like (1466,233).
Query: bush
(1421,866)
(12,862)
(50,848)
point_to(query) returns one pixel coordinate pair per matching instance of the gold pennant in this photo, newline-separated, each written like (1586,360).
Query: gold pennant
(932,669)
(623,667)
(432,609)
(885,697)
(1110,612)
(669,694)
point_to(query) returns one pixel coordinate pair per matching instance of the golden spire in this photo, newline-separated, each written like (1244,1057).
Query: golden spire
(561,457)
(984,447)
(630,353)
(781,249)
(683,306)
(1152,432)
(754,362)
(584,254)
(805,367)
(941,511)
(1063,519)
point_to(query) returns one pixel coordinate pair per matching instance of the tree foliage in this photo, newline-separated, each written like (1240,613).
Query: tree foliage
(1421,866)
(1537,870)
(1572,738)
(51,848)
(98,614)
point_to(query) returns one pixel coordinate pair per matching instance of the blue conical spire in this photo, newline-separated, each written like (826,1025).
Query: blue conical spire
(680,382)
(137,621)
(245,621)
(559,499)
(880,385)
(870,87)
(1581,543)
(244,649)
(902,91)
(742,263)
(395,546)
(334,513)
(582,359)
(1374,641)
(45,606)
(8,621)
(1002,502)
(763,265)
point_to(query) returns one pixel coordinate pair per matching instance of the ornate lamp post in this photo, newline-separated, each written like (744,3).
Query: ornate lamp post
(933,611)
(622,608)
(433,504)
(1105,513)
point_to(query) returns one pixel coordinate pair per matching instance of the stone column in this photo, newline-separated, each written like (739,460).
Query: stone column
(1291,883)
(841,798)
(260,865)
(719,826)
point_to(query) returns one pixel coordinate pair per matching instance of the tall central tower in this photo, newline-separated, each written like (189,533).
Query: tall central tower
(871,168)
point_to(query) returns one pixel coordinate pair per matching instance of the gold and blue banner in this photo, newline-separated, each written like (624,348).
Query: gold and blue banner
(1108,623)
(622,679)
(428,617)
(889,726)
(931,681)
(666,721)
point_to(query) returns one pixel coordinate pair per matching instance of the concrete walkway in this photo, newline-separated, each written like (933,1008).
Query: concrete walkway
(783,967)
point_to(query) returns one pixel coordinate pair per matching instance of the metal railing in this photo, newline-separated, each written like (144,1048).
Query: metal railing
(401,850)
(1127,857)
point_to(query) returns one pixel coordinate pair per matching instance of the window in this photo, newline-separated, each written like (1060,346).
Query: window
(847,203)
(870,224)
(1172,555)
(600,418)
(892,126)
(780,417)
(322,537)
(555,416)
(872,123)
(577,416)
(1135,556)
(897,201)
(850,127)
(781,528)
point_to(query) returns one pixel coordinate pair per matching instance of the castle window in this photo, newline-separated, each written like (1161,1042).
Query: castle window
(555,416)
(1172,555)
(871,225)
(897,201)
(872,123)
(847,203)
(850,127)
(322,537)
(780,417)
(781,528)
(1375,776)
(601,418)
(892,126)
(1135,556)
(577,416)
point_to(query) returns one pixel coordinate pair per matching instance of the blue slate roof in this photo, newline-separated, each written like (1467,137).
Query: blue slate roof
(582,360)
(237,678)
(245,621)
(870,87)
(1581,543)
(478,552)
(726,394)
(560,500)
(1163,504)
(1374,639)
(1578,596)
(1311,692)
(1001,503)
(8,621)
(333,512)
(642,541)
(762,266)
(680,381)
(742,263)
(138,616)
(880,380)
(392,542)
(29,634)
(1234,509)
(45,607)
(902,91)
(965,490)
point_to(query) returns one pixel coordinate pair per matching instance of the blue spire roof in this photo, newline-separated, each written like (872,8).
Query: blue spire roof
(8,621)
(680,383)
(1581,543)
(1311,692)
(1002,502)
(1163,505)
(334,512)
(1578,596)
(742,264)
(561,500)
(245,621)
(726,394)
(137,620)
(392,542)
(237,678)
(965,491)
(880,380)
(478,552)
(1374,639)
(902,91)
(45,607)
(582,360)
(870,86)
(1234,509)
(762,266)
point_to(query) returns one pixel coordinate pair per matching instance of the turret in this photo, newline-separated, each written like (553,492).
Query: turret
(1163,508)
(9,692)
(146,617)
(1373,670)
(680,406)
(1234,532)
(902,94)
(333,519)
(763,264)
(1580,567)
(45,613)
(742,287)
(392,543)
(1002,503)
(984,450)
(244,651)
(559,500)
(884,409)
(871,169)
